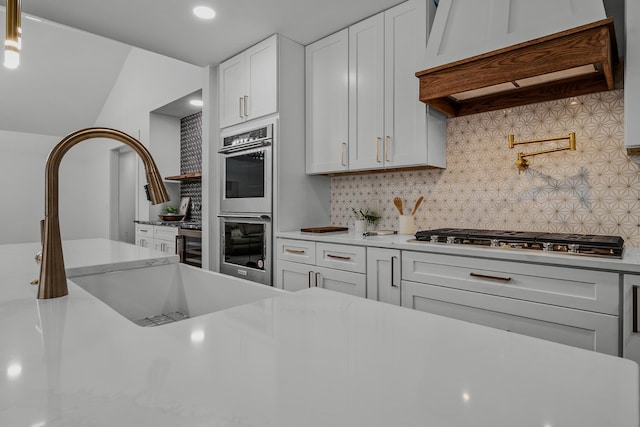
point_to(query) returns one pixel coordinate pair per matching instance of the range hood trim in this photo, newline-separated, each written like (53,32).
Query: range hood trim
(592,43)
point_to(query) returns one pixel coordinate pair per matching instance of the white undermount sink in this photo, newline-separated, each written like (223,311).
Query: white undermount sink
(151,296)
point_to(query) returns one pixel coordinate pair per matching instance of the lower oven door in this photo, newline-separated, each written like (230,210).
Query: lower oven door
(246,247)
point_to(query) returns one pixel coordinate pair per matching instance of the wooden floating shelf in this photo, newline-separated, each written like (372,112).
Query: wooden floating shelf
(185,177)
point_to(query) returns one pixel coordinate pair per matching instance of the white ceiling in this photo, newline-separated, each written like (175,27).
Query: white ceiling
(57,90)
(170,28)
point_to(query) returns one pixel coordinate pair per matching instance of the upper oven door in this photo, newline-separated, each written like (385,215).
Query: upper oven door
(246,179)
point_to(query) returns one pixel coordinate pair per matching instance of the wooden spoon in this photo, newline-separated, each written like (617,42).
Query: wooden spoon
(398,202)
(417,205)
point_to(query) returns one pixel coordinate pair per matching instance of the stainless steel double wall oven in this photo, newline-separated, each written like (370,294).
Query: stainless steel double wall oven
(246,203)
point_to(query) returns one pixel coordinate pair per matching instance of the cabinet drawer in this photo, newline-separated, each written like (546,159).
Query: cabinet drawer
(583,329)
(341,257)
(562,286)
(302,251)
(144,230)
(165,233)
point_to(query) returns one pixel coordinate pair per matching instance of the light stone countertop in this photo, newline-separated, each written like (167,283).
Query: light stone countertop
(311,358)
(630,262)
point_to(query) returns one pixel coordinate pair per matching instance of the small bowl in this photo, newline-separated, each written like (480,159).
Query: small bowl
(171,217)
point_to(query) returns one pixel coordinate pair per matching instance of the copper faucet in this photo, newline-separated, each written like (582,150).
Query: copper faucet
(53,279)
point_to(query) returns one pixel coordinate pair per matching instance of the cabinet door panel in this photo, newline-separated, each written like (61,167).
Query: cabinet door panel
(345,282)
(292,276)
(262,79)
(232,89)
(630,339)
(366,93)
(327,104)
(405,116)
(383,275)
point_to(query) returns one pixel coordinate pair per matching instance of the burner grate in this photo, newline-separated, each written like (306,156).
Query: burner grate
(580,244)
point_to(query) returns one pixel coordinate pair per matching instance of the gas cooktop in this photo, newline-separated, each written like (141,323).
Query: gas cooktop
(575,244)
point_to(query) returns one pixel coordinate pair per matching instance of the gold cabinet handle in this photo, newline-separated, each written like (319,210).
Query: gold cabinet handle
(344,258)
(246,106)
(317,277)
(378,149)
(294,251)
(484,276)
(342,148)
(387,142)
(240,108)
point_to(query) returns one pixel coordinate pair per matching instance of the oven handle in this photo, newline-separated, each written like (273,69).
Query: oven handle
(245,216)
(245,147)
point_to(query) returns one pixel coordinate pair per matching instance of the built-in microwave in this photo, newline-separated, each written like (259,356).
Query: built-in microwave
(245,249)
(246,171)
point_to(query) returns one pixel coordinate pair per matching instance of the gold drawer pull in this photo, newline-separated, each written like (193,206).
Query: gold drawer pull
(294,251)
(484,276)
(345,258)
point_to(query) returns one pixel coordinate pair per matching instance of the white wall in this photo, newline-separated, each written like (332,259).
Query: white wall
(147,81)
(22,160)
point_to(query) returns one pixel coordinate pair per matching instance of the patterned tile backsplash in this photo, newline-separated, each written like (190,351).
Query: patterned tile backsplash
(191,161)
(593,190)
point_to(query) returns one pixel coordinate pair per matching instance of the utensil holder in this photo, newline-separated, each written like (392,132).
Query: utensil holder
(407,225)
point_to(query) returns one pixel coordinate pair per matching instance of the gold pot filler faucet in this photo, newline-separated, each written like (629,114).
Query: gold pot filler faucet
(53,279)
(522,163)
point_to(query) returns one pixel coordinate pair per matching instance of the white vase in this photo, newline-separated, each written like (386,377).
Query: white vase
(359,227)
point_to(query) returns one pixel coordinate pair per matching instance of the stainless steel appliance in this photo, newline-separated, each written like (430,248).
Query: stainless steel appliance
(246,246)
(246,168)
(189,243)
(561,243)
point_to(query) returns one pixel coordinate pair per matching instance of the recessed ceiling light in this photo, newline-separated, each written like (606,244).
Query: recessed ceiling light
(196,102)
(204,12)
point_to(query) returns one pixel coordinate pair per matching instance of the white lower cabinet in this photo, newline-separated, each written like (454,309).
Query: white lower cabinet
(304,264)
(157,237)
(631,339)
(164,239)
(144,235)
(566,305)
(383,275)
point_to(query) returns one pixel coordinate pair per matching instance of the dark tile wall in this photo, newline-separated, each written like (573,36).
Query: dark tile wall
(191,161)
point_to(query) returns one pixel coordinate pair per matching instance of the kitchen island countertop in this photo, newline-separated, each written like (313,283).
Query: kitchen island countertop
(310,358)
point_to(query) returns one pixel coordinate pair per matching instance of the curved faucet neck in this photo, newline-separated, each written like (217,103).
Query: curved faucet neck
(53,281)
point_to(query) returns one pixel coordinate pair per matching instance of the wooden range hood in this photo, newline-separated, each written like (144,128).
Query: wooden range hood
(569,63)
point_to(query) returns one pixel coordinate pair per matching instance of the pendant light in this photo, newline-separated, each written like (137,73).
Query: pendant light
(13,40)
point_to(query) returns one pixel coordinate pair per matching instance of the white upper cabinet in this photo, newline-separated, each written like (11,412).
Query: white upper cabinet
(465,28)
(248,84)
(414,134)
(327,104)
(366,94)
(632,76)
(388,127)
